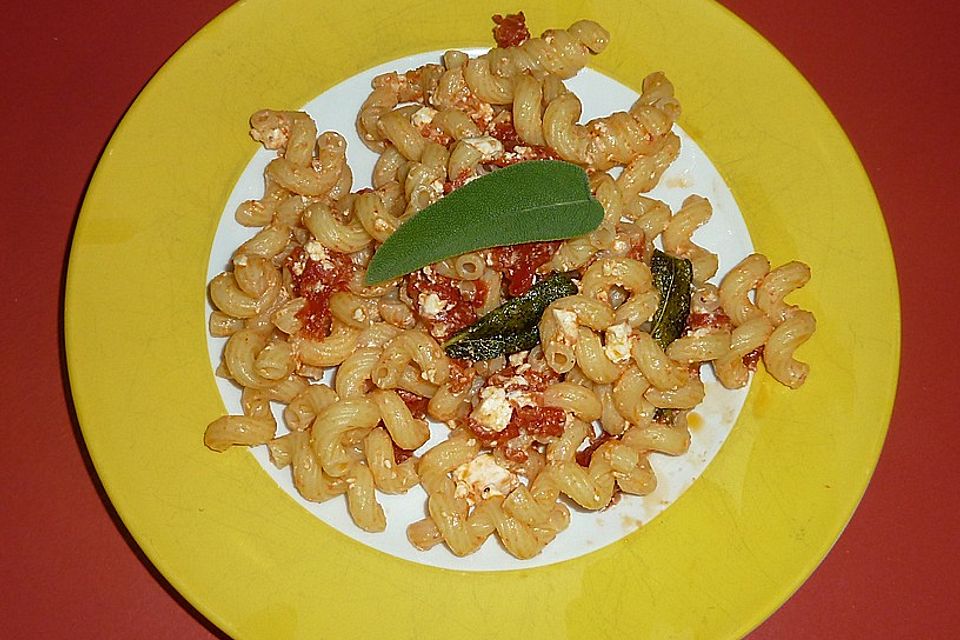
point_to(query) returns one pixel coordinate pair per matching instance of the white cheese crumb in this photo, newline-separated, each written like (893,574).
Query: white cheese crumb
(488,146)
(567,320)
(316,251)
(516,359)
(240,260)
(521,399)
(423,116)
(618,342)
(437,187)
(482,478)
(494,411)
(359,315)
(431,305)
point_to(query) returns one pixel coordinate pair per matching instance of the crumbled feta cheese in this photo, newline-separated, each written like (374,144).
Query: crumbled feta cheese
(618,342)
(437,187)
(315,250)
(482,478)
(380,224)
(517,381)
(521,399)
(422,116)
(516,359)
(240,260)
(359,315)
(488,146)
(431,305)
(567,320)
(494,411)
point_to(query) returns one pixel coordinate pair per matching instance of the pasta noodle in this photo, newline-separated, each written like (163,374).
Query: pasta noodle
(360,369)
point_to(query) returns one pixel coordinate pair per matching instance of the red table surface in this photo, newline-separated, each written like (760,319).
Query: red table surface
(888,71)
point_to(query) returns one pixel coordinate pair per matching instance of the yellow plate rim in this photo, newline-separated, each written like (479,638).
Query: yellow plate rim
(248,557)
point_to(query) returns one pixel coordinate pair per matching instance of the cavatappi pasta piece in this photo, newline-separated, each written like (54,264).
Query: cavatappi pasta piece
(389,476)
(333,423)
(407,431)
(776,285)
(745,339)
(783,342)
(306,405)
(655,365)
(693,214)
(247,431)
(736,286)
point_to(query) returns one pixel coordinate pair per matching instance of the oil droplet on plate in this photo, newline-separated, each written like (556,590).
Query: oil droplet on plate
(695,421)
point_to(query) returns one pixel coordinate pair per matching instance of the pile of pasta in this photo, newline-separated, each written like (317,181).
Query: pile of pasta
(573,421)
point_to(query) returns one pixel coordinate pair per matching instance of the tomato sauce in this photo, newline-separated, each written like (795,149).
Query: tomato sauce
(401,455)
(584,457)
(461,375)
(316,281)
(457,311)
(751,359)
(715,320)
(540,421)
(511,30)
(518,264)
(415,403)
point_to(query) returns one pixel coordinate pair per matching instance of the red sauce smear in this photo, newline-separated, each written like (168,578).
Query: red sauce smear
(540,421)
(584,457)
(751,359)
(316,281)
(714,320)
(458,309)
(504,131)
(416,403)
(537,381)
(401,455)
(518,264)
(511,30)
(638,250)
(461,375)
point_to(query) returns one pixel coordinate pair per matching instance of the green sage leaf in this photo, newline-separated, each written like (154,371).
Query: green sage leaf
(526,202)
(673,278)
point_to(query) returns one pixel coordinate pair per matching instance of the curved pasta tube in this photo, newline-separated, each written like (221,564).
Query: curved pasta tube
(329,351)
(786,338)
(408,432)
(362,499)
(577,399)
(317,178)
(693,214)
(353,375)
(308,476)
(306,405)
(329,231)
(388,476)
(656,366)
(412,346)
(333,423)
(606,273)
(558,52)
(628,397)
(240,357)
(738,283)
(248,431)
(593,360)
(748,337)
(777,285)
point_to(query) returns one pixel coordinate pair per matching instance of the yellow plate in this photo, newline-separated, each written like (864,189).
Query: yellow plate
(715,564)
